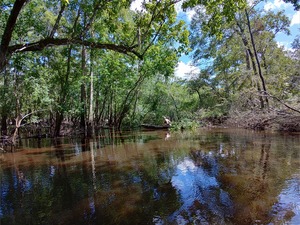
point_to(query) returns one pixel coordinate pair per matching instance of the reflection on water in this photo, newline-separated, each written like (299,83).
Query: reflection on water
(199,189)
(287,209)
(206,177)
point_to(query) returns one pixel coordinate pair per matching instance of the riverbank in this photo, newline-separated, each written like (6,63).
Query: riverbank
(260,120)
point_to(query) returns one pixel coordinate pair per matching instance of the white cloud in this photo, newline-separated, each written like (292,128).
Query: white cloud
(189,12)
(136,5)
(285,45)
(178,7)
(251,2)
(276,4)
(186,70)
(295,18)
(269,6)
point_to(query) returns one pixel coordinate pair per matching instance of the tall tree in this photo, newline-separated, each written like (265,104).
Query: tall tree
(231,62)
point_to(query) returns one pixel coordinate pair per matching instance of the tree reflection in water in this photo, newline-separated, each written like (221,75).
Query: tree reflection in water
(232,177)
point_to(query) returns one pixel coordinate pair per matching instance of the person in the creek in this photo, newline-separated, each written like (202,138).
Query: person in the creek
(167,121)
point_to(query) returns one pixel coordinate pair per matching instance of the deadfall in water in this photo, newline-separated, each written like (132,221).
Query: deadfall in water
(216,176)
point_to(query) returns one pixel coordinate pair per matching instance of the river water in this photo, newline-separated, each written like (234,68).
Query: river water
(218,176)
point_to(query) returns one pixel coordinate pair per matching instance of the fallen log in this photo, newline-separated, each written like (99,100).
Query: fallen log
(155,127)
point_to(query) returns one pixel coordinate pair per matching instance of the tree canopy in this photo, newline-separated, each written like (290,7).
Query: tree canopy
(34,25)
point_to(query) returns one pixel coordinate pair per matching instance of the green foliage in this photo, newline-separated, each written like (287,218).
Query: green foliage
(218,13)
(185,124)
(65,2)
(100,65)
(228,63)
(169,98)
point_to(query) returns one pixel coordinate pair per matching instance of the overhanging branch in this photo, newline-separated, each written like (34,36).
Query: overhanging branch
(286,105)
(51,42)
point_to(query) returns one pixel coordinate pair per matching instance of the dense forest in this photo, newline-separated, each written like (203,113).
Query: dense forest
(77,65)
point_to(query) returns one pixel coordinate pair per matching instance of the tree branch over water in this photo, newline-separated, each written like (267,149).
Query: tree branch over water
(102,19)
(286,105)
(52,42)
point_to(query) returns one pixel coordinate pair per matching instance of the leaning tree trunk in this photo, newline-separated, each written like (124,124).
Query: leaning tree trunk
(5,40)
(250,58)
(257,60)
(8,31)
(19,119)
(262,102)
(125,107)
(15,134)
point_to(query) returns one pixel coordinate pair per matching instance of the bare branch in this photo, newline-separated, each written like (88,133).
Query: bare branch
(286,105)
(57,20)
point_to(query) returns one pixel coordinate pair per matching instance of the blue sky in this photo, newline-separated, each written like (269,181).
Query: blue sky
(184,66)
(293,15)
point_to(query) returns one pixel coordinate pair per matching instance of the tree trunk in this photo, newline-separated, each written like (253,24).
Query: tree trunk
(19,119)
(262,103)
(3,123)
(96,111)
(91,113)
(4,111)
(125,107)
(83,92)
(257,59)
(18,105)
(15,135)
(59,117)
(247,60)
(110,108)
(58,121)
(250,58)
(176,108)
(135,106)
(9,28)
(91,110)
(101,113)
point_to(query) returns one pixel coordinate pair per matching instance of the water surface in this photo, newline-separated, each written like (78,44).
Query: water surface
(220,176)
